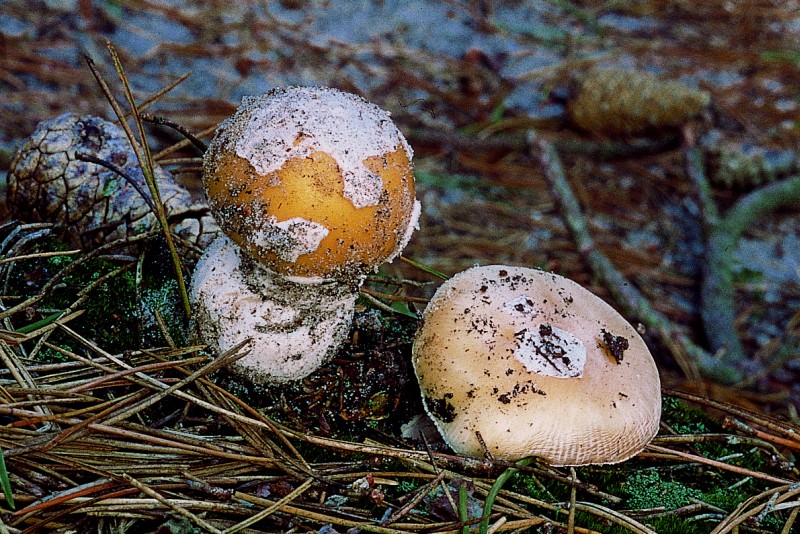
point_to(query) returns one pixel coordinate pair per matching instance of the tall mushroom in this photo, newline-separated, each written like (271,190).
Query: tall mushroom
(518,362)
(314,189)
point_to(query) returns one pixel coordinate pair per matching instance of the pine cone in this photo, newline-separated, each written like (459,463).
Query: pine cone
(612,103)
(94,205)
(740,164)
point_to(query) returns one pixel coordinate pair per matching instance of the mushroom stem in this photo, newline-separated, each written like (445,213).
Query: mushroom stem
(293,325)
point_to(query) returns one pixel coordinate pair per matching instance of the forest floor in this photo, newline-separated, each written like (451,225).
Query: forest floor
(466,81)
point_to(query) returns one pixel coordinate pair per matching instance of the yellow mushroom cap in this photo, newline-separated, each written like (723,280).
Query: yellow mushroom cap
(312,182)
(536,364)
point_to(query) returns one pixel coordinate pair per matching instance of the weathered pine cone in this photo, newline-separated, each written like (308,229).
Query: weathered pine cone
(611,103)
(94,205)
(738,163)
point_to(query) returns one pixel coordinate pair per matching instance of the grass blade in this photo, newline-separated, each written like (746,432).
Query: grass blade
(142,151)
(4,482)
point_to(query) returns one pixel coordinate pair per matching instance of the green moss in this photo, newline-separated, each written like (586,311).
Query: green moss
(164,299)
(670,524)
(111,313)
(525,483)
(50,355)
(646,489)
(408,485)
(685,419)
(180,525)
(728,497)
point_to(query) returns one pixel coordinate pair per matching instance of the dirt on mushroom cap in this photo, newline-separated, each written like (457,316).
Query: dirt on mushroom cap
(320,155)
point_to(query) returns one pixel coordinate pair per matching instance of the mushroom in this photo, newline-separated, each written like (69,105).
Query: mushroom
(314,189)
(516,362)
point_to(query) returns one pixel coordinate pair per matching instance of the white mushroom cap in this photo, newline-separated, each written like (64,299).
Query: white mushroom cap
(294,327)
(536,364)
